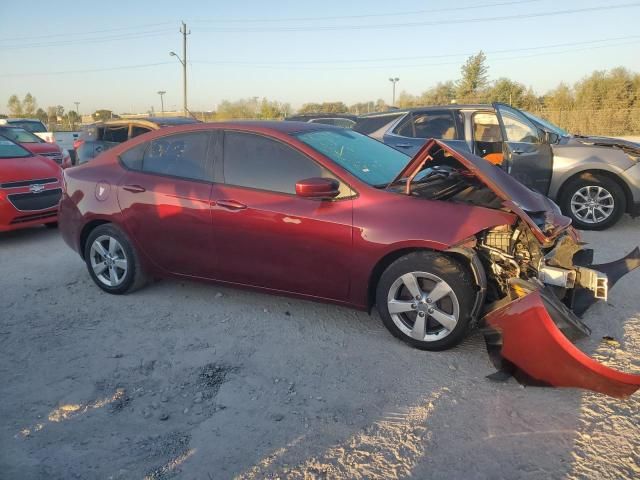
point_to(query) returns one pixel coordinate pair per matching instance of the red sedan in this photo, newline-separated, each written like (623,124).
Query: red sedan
(36,145)
(437,243)
(30,188)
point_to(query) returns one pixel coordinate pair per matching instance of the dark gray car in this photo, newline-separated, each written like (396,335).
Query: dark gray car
(101,136)
(595,180)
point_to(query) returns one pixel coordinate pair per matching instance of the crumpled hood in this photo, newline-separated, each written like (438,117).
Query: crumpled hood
(28,168)
(521,200)
(629,147)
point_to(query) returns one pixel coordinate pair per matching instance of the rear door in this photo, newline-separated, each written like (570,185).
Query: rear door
(164,197)
(526,156)
(419,126)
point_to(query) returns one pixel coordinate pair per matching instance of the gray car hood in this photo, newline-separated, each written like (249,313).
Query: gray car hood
(629,147)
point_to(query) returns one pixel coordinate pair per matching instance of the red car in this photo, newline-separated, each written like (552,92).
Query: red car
(36,145)
(30,188)
(438,243)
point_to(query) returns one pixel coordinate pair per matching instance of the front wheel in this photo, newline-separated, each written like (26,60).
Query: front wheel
(112,261)
(426,299)
(594,202)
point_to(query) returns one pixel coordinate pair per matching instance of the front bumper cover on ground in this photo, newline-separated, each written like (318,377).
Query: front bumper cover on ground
(530,337)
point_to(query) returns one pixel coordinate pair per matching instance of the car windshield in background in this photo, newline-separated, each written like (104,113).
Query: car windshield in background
(368,125)
(19,135)
(30,126)
(8,149)
(371,161)
(546,124)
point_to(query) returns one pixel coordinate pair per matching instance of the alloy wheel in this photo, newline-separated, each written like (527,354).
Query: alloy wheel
(423,306)
(108,261)
(592,204)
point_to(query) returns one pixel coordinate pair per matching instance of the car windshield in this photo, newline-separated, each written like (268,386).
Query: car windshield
(371,161)
(19,135)
(8,149)
(33,126)
(545,124)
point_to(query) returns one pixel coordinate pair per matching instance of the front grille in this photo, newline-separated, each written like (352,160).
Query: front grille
(32,217)
(55,156)
(29,202)
(26,183)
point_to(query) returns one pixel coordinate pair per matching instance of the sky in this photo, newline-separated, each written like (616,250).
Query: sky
(115,54)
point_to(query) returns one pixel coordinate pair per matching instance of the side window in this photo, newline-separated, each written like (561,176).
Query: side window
(432,124)
(116,134)
(137,130)
(182,155)
(132,158)
(518,130)
(486,128)
(258,162)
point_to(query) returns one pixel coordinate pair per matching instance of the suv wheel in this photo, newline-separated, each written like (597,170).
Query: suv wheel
(594,202)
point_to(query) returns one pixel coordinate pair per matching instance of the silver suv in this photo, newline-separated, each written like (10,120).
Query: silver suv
(594,180)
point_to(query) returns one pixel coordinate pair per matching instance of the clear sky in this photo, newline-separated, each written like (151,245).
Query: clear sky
(298,51)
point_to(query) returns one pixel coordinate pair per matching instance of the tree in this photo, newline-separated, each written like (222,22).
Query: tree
(15,106)
(442,94)
(325,107)
(29,105)
(472,84)
(102,114)
(41,115)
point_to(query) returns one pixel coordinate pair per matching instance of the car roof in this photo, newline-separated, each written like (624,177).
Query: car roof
(313,116)
(274,125)
(7,121)
(451,106)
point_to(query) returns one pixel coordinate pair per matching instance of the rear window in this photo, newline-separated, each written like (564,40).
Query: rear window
(8,149)
(367,125)
(431,124)
(33,126)
(19,135)
(117,134)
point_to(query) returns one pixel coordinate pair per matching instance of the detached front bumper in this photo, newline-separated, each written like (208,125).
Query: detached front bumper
(529,335)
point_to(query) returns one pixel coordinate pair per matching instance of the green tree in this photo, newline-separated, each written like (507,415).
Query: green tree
(442,94)
(15,106)
(102,114)
(471,86)
(29,105)
(41,115)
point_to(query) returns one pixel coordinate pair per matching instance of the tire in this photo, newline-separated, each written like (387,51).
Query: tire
(593,202)
(121,272)
(51,226)
(394,291)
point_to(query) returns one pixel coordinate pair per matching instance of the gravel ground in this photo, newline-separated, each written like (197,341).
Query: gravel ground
(196,381)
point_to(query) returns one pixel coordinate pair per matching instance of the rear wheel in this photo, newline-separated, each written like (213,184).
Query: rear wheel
(425,299)
(112,261)
(594,202)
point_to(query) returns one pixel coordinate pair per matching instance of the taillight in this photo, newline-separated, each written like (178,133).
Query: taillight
(77,144)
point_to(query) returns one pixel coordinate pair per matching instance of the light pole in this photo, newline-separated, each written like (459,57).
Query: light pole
(161,93)
(394,80)
(77,104)
(183,61)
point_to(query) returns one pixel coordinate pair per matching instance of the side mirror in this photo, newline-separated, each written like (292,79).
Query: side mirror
(550,137)
(318,188)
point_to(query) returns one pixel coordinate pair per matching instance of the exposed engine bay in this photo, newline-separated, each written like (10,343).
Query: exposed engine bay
(535,278)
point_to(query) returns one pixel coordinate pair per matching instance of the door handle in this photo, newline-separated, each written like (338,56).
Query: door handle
(231,204)
(404,145)
(134,188)
(517,152)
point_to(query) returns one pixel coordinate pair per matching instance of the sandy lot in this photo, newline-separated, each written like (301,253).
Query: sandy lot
(196,381)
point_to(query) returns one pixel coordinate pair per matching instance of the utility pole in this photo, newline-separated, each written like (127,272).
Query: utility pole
(394,80)
(183,61)
(77,108)
(161,93)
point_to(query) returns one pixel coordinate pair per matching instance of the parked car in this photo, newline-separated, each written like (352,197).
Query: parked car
(30,188)
(328,214)
(595,180)
(32,125)
(343,120)
(100,136)
(36,145)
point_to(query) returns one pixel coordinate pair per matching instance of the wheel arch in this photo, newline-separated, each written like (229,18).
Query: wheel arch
(628,195)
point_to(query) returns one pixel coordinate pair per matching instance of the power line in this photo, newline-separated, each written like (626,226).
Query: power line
(71,34)
(83,41)
(419,57)
(108,69)
(371,15)
(423,23)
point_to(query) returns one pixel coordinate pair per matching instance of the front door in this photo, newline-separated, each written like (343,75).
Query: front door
(264,235)
(164,198)
(526,156)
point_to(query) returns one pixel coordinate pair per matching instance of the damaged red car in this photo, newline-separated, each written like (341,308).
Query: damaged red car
(439,243)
